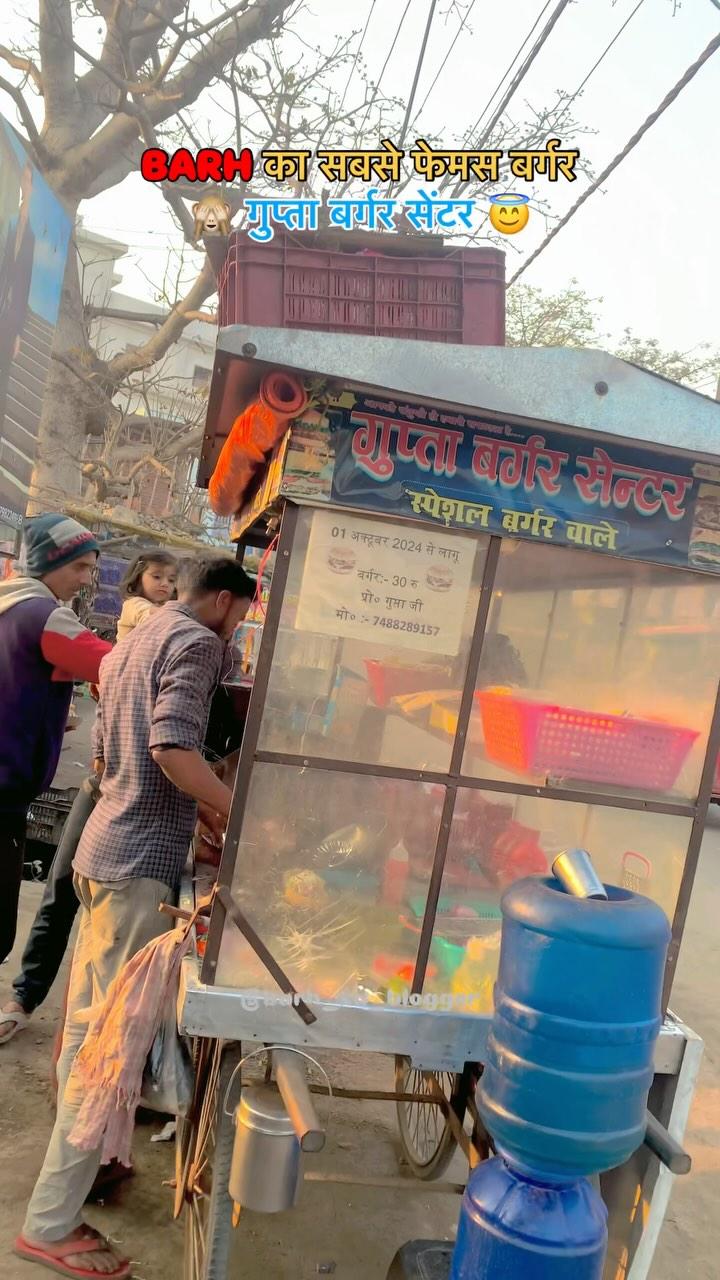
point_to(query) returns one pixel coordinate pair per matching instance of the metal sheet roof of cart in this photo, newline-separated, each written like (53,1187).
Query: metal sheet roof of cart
(584,390)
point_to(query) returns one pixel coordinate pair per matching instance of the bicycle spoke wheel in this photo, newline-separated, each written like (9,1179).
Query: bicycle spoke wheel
(427,1139)
(203,1153)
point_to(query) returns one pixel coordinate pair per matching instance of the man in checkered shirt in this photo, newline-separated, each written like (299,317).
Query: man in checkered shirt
(155,693)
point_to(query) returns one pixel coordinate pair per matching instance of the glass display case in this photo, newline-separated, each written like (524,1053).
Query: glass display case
(442,713)
(491,635)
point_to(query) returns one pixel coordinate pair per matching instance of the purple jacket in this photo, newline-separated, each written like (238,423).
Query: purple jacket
(43,647)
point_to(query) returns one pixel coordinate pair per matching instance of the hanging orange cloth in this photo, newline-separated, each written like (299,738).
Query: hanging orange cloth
(253,434)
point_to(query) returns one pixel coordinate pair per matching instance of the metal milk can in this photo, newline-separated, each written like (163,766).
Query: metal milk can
(265,1170)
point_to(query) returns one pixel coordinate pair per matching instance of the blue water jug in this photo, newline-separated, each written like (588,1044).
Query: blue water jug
(577,1014)
(517,1228)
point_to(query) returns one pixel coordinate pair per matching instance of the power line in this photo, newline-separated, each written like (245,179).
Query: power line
(446,59)
(521,73)
(508,71)
(667,101)
(391,50)
(564,113)
(526,65)
(357,56)
(604,54)
(418,69)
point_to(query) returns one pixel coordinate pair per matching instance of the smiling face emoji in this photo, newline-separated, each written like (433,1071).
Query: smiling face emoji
(509,213)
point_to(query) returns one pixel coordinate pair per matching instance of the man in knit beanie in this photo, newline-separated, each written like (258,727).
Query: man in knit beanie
(43,649)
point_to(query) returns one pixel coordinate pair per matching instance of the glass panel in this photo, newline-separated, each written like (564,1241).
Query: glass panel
(325,866)
(374,634)
(596,673)
(496,839)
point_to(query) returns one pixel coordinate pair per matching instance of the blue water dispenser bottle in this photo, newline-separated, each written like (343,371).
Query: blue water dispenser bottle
(567,1074)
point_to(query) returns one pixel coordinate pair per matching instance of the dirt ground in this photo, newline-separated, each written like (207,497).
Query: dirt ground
(355,1228)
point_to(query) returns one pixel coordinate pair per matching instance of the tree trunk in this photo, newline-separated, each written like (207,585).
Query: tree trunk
(67,402)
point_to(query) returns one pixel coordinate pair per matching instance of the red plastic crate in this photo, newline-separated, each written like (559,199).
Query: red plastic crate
(537,737)
(458,297)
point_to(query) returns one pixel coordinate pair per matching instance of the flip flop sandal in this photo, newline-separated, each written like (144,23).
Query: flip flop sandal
(21,1021)
(54,1261)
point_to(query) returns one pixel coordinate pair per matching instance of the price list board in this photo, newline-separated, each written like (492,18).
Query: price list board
(385,582)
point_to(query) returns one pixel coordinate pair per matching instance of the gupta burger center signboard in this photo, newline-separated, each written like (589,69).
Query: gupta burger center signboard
(451,470)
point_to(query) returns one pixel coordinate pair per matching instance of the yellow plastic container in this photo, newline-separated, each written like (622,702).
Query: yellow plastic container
(473,981)
(443,718)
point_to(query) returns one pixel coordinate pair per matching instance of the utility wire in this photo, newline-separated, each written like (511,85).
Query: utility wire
(384,67)
(357,57)
(605,52)
(667,101)
(595,65)
(525,66)
(445,61)
(508,72)
(418,69)
(565,111)
(520,75)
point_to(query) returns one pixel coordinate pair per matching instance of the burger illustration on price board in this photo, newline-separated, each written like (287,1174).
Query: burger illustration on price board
(341,560)
(439,577)
(704,549)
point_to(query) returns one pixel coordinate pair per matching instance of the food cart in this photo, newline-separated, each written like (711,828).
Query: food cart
(460,675)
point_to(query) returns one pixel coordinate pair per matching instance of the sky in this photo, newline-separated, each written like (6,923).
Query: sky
(646,243)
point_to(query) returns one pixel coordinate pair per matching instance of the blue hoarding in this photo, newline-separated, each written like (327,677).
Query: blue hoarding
(34,237)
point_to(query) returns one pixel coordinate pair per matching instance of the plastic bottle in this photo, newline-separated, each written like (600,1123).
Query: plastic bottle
(395,877)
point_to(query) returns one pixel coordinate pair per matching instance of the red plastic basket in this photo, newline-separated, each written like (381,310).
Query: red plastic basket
(537,737)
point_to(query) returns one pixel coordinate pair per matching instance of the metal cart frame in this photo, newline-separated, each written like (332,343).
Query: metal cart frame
(441,1048)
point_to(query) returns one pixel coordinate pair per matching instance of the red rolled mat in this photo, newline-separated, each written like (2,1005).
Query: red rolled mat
(283,393)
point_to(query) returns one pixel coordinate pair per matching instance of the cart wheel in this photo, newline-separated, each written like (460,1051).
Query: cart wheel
(203,1152)
(428,1141)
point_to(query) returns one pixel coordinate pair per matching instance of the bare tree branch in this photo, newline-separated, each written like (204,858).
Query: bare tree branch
(172,197)
(26,116)
(227,41)
(155,348)
(26,65)
(192,133)
(125,50)
(196,33)
(124,162)
(205,317)
(94,379)
(147,68)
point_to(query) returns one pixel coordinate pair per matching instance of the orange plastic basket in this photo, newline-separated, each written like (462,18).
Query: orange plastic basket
(538,737)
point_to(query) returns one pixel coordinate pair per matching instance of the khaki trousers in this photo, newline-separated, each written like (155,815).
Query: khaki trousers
(116,920)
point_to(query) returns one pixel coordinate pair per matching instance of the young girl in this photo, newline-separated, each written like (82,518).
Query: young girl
(148,584)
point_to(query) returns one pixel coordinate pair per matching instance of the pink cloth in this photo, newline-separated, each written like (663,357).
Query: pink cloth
(110,1063)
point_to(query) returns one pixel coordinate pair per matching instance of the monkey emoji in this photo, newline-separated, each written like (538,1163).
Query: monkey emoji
(212,217)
